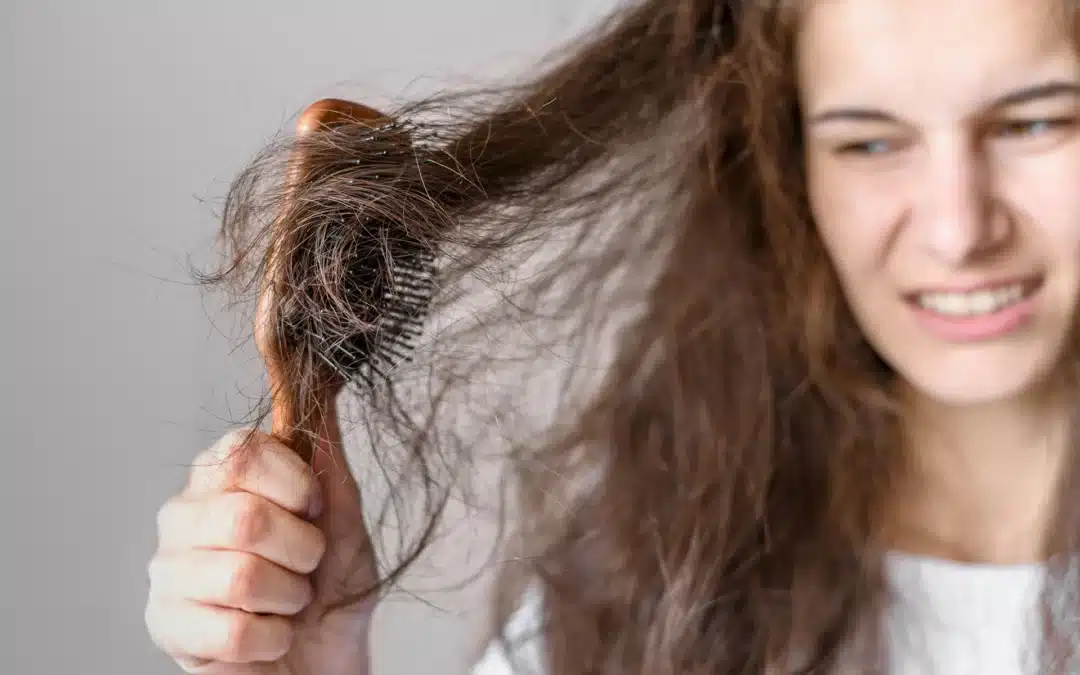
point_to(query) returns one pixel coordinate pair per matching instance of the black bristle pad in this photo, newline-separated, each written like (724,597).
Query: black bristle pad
(401,297)
(388,279)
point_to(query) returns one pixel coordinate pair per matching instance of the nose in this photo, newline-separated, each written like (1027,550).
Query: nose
(959,217)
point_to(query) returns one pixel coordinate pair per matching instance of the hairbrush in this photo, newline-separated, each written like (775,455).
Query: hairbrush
(388,274)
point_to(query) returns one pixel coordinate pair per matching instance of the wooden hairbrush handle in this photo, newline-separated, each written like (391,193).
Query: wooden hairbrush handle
(329,112)
(285,416)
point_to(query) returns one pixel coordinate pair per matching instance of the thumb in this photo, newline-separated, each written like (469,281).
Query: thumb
(348,569)
(340,507)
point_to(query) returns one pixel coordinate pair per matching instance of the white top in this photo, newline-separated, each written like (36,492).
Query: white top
(951,619)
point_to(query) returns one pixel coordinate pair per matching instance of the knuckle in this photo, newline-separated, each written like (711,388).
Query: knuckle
(227,454)
(280,640)
(169,577)
(238,637)
(243,579)
(306,593)
(234,440)
(166,515)
(205,466)
(205,456)
(281,643)
(160,625)
(318,550)
(209,459)
(150,619)
(161,518)
(249,519)
(247,635)
(153,571)
(307,487)
(319,542)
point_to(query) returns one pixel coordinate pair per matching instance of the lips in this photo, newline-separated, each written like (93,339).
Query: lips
(977,313)
(977,301)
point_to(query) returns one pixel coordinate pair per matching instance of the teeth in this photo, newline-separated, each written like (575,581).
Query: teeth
(972,304)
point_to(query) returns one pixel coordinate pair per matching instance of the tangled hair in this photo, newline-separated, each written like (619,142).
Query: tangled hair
(707,494)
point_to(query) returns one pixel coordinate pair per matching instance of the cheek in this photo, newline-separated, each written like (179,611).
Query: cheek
(1047,196)
(856,219)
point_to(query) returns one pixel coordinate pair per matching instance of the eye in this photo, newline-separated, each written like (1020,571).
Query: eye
(869,148)
(1032,128)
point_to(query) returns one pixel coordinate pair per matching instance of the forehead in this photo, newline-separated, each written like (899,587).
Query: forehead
(922,52)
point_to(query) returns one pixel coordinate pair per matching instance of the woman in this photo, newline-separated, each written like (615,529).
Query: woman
(838,437)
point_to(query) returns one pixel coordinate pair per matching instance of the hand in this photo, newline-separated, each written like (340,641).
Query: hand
(252,555)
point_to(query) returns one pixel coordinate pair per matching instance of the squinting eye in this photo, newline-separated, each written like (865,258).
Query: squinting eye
(1026,128)
(875,147)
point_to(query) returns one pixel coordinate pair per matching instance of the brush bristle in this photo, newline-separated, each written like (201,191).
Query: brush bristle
(404,299)
(358,280)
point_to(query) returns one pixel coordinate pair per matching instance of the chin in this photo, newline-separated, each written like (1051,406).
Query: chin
(973,379)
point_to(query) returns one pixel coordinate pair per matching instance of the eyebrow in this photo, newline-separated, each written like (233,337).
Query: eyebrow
(1038,92)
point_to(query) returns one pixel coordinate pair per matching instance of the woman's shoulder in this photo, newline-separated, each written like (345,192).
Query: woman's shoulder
(519,648)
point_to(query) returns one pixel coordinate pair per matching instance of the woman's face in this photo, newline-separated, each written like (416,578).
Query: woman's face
(943,160)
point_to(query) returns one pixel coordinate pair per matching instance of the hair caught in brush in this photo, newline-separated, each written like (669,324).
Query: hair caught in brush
(636,211)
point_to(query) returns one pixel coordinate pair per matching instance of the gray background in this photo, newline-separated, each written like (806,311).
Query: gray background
(127,119)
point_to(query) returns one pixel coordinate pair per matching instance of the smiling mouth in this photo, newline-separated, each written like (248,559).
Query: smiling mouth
(977,302)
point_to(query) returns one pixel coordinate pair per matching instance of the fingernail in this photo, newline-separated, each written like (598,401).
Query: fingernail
(315,507)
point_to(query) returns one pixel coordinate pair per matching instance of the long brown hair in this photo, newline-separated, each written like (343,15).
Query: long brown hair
(710,502)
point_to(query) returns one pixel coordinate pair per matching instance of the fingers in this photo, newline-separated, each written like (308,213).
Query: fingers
(234,552)
(242,522)
(229,579)
(254,462)
(236,549)
(194,633)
